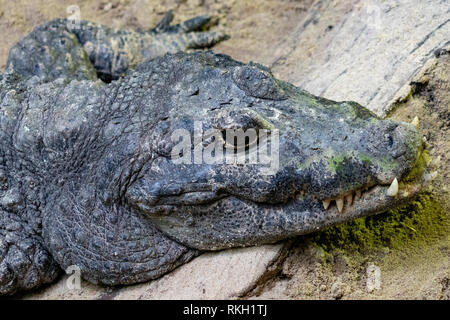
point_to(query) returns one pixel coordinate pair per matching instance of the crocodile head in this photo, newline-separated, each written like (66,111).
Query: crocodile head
(328,161)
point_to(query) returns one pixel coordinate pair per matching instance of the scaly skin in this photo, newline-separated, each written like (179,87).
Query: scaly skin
(86,171)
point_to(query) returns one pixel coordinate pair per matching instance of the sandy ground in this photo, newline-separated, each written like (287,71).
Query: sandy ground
(413,262)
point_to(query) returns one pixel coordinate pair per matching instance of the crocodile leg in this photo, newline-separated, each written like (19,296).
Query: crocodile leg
(193,24)
(24,262)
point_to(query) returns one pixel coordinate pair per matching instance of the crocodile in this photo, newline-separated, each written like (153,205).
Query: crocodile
(91,175)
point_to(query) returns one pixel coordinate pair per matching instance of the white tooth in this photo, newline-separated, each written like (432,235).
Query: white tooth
(393,188)
(349,199)
(340,204)
(358,193)
(326,203)
(415,122)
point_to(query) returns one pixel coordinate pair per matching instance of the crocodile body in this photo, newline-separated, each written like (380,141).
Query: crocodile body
(87,177)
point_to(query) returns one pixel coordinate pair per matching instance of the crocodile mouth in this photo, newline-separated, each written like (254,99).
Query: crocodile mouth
(360,199)
(207,226)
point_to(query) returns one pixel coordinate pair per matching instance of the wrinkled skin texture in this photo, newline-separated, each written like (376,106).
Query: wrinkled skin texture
(86,172)
(34,98)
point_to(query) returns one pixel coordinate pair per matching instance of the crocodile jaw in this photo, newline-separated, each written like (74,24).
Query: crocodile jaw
(233,222)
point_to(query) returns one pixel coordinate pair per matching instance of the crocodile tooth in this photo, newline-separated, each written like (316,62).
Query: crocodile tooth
(340,204)
(415,122)
(349,198)
(358,193)
(326,203)
(393,189)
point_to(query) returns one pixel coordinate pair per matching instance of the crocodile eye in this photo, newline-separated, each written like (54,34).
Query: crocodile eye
(257,82)
(236,119)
